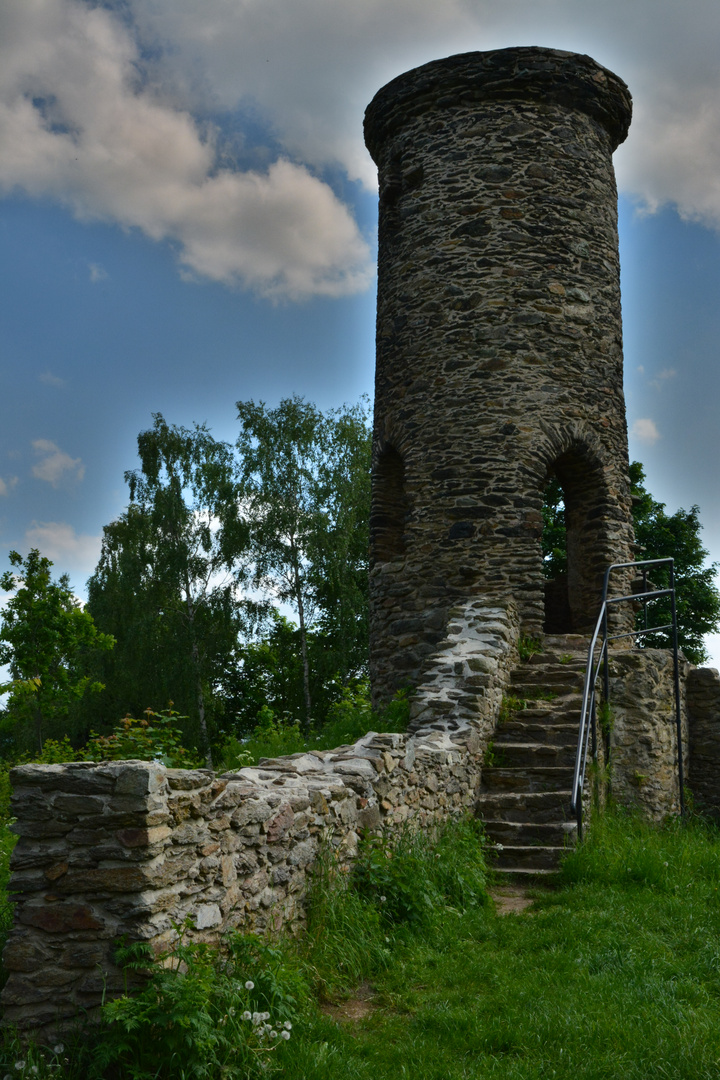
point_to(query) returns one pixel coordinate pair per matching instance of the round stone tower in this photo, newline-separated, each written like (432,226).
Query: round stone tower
(499,344)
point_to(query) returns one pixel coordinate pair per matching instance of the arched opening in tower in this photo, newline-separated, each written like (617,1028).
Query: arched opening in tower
(388,511)
(574,542)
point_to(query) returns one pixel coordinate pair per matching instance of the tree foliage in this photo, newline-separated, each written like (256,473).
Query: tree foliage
(677,535)
(167,584)
(51,646)
(305,489)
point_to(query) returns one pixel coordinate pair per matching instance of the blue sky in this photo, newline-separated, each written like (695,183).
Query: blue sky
(187,218)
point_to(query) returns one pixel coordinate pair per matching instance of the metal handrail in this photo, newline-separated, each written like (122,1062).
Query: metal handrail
(588,725)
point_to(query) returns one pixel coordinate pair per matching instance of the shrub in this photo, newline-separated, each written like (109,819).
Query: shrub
(202,1014)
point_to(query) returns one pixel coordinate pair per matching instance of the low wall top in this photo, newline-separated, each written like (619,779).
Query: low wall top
(522,73)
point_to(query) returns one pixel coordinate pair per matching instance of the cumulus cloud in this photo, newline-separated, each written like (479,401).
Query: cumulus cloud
(117,110)
(55,466)
(6,486)
(81,122)
(645,431)
(70,551)
(311,66)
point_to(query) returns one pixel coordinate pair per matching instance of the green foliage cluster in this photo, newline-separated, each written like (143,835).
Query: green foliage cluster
(202,1014)
(50,644)
(412,876)
(677,535)
(349,718)
(153,737)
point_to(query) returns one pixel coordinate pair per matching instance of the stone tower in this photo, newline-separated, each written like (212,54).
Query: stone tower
(499,344)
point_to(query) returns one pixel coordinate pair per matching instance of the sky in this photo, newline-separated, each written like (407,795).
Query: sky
(188,218)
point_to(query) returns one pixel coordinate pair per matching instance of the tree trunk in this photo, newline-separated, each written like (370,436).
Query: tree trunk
(303,643)
(201,706)
(198,676)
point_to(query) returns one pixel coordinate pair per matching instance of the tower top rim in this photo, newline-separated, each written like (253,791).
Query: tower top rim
(521,73)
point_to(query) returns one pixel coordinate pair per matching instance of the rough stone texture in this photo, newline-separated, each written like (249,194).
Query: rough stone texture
(644,732)
(464,682)
(499,351)
(131,847)
(703,706)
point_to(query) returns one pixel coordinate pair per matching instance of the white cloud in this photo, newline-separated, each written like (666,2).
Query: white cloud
(79,123)
(311,67)
(55,465)
(115,109)
(645,431)
(97,272)
(50,379)
(6,486)
(68,550)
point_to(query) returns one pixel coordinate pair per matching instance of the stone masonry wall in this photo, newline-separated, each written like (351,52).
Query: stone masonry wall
(644,733)
(130,847)
(499,342)
(703,706)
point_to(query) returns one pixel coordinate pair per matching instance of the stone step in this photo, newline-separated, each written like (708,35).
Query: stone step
(529,833)
(558,710)
(521,875)
(521,806)
(576,661)
(547,778)
(538,674)
(528,856)
(565,643)
(532,755)
(552,734)
(548,690)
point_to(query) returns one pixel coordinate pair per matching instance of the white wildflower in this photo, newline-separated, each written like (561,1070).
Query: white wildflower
(287,1025)
(285,1035)
(247,1015)
(249,985)
(273,1034)
(383,899)
(231,1011)
(19,1065)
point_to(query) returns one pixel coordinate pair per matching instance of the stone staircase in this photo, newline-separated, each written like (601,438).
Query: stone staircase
(524,795)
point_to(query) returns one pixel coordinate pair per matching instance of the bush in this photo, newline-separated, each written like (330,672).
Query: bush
(349,719)
(202,1014)
(155,737)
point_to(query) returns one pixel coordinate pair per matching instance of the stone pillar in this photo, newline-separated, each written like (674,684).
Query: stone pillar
(499,343)
(703,703)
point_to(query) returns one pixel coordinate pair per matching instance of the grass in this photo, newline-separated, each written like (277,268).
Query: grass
(615,971)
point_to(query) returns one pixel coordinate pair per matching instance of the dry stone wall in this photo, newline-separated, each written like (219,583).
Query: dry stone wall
(703,706)
(131,847)
(499,342)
